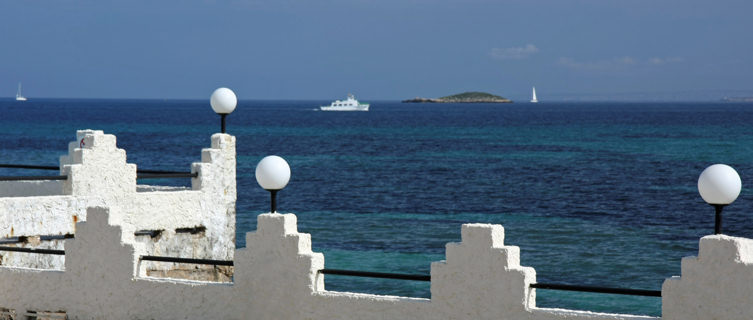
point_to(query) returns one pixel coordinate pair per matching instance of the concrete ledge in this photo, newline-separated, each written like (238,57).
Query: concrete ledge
(277,277)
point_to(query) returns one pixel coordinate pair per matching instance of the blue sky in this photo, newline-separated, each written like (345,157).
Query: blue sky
(377,49)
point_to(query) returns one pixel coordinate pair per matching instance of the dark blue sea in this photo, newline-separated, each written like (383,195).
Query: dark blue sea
(600,194)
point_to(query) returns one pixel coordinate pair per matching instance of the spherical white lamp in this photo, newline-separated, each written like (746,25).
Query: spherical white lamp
(223,101)
(273,174)
(719,185)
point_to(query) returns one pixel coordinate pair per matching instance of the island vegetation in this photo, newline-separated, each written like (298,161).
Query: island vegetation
(465,97)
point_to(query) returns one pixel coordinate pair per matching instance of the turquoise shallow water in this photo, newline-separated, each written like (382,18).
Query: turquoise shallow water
(594,194)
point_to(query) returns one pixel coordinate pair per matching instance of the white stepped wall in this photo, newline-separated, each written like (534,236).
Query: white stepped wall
(99,175)
(276,277)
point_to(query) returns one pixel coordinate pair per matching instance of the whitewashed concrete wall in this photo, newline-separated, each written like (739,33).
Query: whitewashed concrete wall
(276,277)
(99,175)
(717,284)
(30,188)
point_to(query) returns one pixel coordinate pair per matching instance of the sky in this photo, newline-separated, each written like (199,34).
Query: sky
(377,49)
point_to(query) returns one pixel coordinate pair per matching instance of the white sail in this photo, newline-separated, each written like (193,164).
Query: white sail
(533,96)
(19,97)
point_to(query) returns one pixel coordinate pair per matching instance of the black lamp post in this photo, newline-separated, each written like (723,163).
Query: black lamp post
(718,220)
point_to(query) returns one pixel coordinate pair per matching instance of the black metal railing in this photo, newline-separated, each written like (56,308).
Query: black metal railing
(12,240)
(57,237)
(140,174)
(192,230)
(32,178)
(28,166)
(383,275)
(367,274)
(188,260)
(23,239)
(33,250)
(567,287)
(151,233)
(540,285)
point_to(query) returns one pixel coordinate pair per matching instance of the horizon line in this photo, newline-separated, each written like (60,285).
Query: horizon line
(522,101)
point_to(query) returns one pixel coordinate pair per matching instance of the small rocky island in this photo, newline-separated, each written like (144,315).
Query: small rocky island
(465,97)
(737,99)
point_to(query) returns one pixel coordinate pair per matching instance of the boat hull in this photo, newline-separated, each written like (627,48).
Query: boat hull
(362,107)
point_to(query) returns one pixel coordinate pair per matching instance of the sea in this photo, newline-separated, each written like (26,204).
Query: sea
(596,194)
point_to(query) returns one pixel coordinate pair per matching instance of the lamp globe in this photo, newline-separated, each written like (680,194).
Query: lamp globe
(272,173)
(719,184)
(223,101)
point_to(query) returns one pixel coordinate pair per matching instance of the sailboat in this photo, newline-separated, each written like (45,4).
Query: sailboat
(533,96)
(19,97)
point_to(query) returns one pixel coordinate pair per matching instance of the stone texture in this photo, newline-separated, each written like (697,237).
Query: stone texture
(99,175)
(276,277)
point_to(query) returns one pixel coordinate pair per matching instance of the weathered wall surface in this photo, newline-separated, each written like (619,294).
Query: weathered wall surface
(30,188)
(277,277)
(99,175)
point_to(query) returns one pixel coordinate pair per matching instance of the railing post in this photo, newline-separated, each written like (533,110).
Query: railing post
(277,267)
(96,167)
(482,278)
(714,285)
